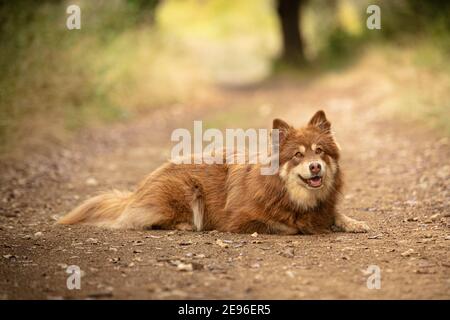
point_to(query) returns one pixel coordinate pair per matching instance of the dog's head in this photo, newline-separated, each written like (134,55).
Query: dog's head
(308,160)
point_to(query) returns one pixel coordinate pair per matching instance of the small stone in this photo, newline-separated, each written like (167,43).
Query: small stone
(254,234)
(290,274)
(91,181)
(38,234)
(185,267)
(407,253)
(434,217)
(92,241)
(153,236)
(258,278)
(288,253)
(221,244)
(114,260)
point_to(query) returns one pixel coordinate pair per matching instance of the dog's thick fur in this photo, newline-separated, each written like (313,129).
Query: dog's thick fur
(236,198)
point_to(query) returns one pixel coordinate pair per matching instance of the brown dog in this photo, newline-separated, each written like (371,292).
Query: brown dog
(301,198)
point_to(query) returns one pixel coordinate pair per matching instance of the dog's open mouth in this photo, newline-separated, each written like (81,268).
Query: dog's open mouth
(314,182)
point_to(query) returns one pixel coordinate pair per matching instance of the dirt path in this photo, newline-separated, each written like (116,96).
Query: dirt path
(396,179)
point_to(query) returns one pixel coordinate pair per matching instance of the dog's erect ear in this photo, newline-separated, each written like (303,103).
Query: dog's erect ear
(283,128)
(320,121)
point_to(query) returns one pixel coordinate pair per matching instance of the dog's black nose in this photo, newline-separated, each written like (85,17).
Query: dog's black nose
(315,167)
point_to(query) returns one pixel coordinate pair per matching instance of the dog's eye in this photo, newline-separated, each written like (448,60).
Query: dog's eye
(319,150)
(298,155)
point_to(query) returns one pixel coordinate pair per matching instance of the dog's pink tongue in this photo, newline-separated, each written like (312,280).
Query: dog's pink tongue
(315,182)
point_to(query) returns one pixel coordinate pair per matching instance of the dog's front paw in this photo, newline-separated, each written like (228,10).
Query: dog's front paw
(346,224)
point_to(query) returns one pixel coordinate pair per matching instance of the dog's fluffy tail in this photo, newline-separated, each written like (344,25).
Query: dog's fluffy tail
(102,210)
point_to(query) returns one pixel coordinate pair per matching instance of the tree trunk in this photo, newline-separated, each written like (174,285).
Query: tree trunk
(289,14)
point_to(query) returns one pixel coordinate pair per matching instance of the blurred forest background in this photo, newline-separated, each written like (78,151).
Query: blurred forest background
(134,56)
